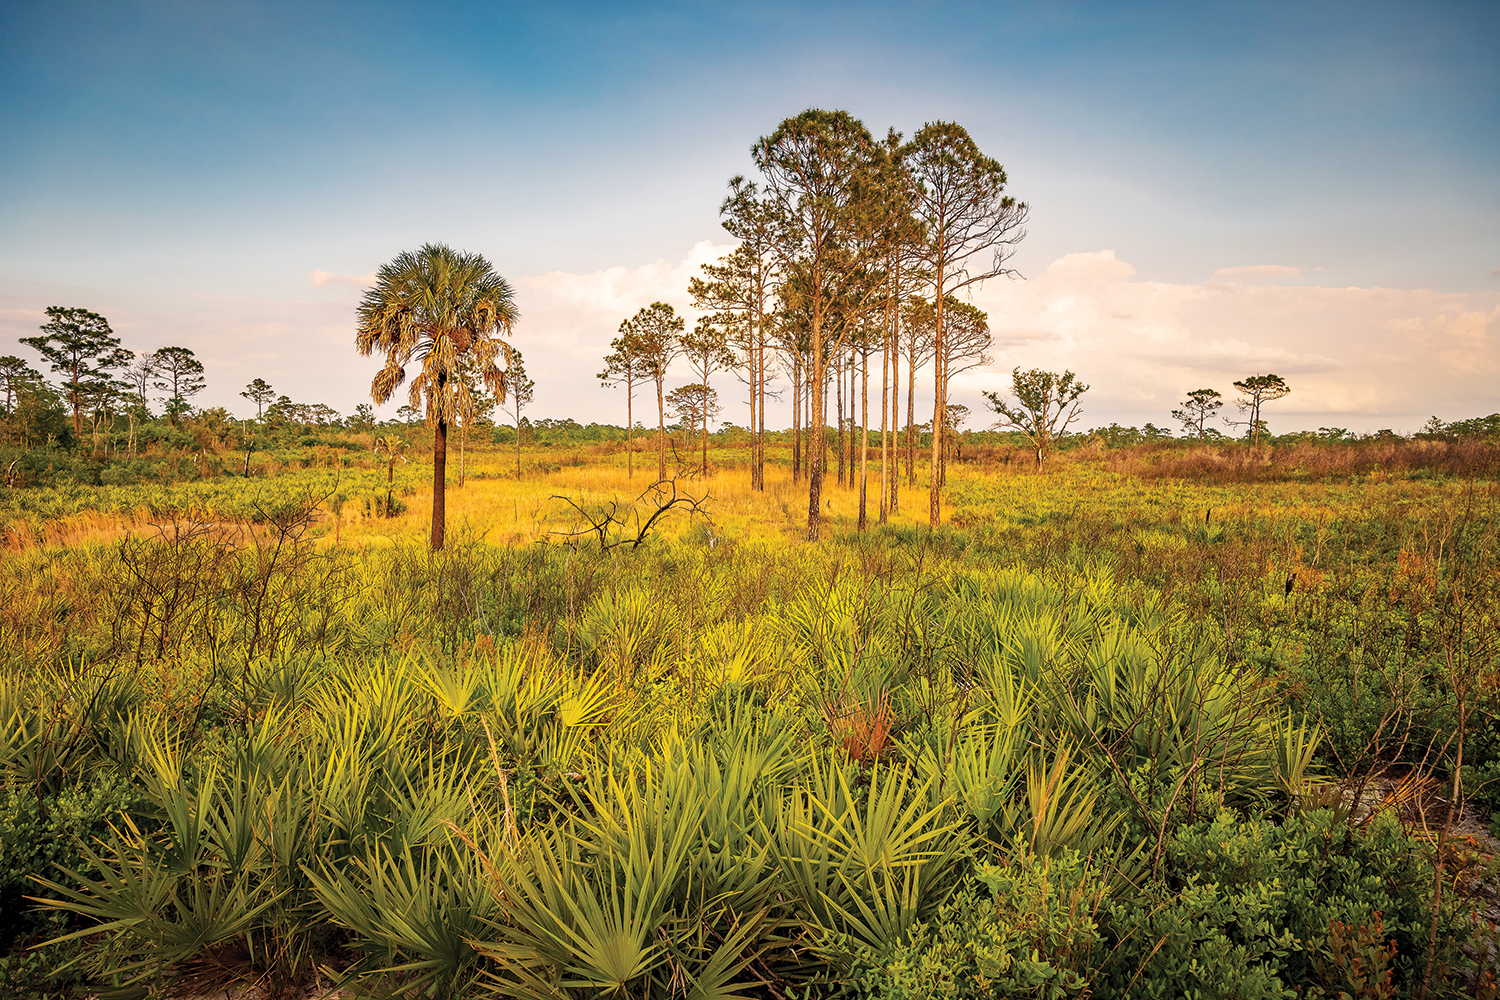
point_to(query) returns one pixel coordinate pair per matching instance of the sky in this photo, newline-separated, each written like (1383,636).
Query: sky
(1215,190)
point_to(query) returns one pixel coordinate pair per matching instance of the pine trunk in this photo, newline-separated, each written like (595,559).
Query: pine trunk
(939,409)
(864,431)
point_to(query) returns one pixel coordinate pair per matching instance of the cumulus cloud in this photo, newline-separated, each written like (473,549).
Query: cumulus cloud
(580,313)
(1257,273)
(1365,357)
(1355,357)
(1368,356)
(323,279)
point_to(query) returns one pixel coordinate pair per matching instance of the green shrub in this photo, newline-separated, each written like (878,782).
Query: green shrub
(1247,909)
(1025,928)
(1244,909)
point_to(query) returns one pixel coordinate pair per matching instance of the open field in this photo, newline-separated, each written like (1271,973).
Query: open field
(1141,725)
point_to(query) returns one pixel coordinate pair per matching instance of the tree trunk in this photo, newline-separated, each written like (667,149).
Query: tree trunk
(758,456)
(885,407)
(817,386)
(661,432)
(939,408)
(838,376)
(896,401)
(439,480)
(73,397)
(796,421)
(629,431)
(864,431)
(911,424)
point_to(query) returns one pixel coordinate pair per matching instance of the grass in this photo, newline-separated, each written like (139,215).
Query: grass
(728,762)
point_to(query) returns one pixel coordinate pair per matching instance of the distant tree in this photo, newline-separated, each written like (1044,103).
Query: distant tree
(434,306)
(695,405)
(363,418)
(282,410)
(624,366)
(520,388)
(1046,403)
(1197,410)
(80,346)
(38,413)
(1257,390)
(15,373)
(261,394)
(392,448)
(957,415)
(653,333)
(1488,426)
(1151,432)
(707,351)
(322,415)
(739,288)
(180,375)
(966,342)
(139,374)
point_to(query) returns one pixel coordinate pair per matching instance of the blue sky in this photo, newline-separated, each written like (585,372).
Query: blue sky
(186,168)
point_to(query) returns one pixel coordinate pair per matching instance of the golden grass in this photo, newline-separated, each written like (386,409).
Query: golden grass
(510,511)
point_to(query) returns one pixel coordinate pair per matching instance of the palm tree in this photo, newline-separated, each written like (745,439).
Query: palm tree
(441,307)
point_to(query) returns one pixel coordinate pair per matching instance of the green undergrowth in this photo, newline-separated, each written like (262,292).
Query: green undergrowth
(977,762)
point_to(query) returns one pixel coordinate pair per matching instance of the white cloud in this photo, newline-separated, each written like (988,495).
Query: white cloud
(323,279)
(1366,355)
(581,313)
(1356,357)
(1257,273)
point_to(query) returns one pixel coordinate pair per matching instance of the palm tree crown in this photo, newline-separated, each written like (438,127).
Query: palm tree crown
(437,306)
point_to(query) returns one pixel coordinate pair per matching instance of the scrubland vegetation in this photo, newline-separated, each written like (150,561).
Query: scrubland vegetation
(1161,720)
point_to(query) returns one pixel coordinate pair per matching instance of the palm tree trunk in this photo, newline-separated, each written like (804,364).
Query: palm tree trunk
(439,480)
